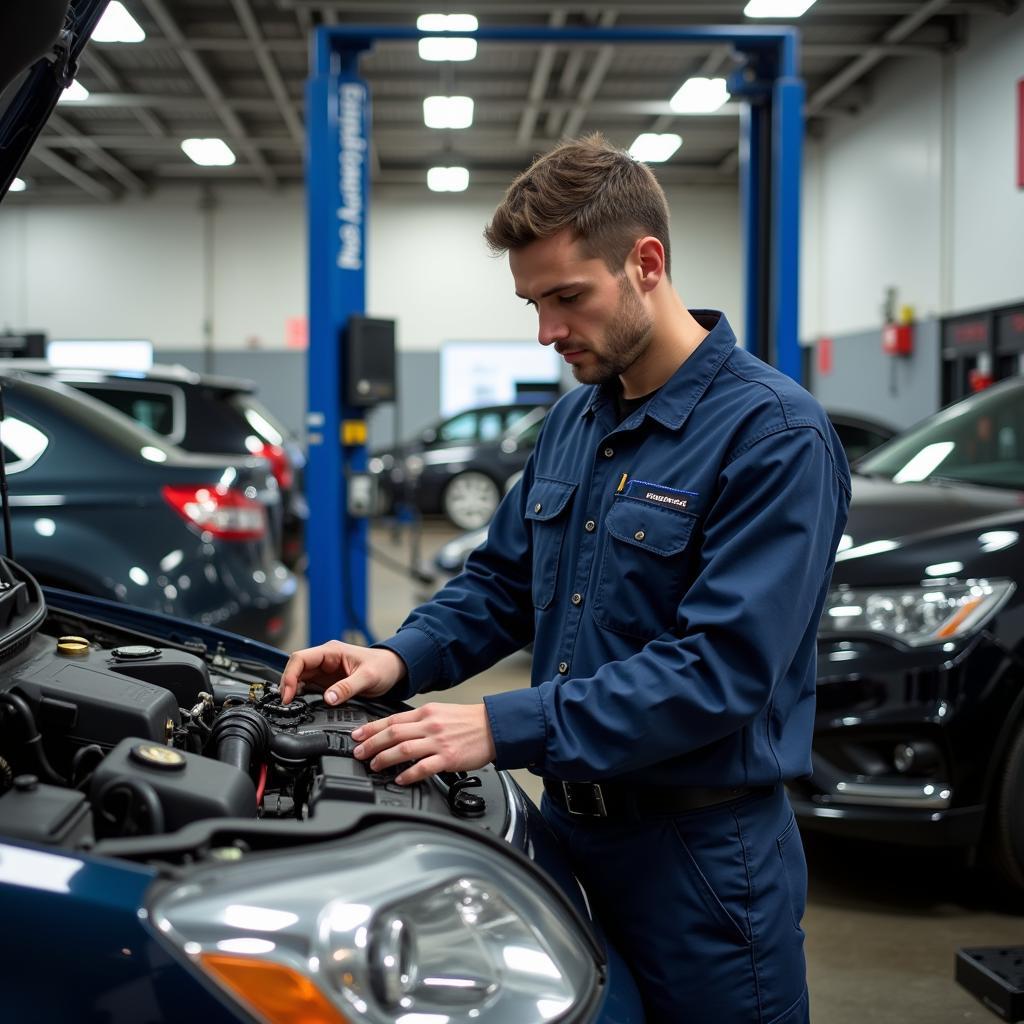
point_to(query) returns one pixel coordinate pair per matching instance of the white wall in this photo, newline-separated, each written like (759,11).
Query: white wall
(159,268)
(918,190)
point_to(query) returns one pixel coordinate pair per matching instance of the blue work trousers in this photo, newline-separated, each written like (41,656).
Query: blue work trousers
(704,907)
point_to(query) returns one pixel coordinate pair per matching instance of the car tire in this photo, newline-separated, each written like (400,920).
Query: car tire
(1006,833)
(470,499)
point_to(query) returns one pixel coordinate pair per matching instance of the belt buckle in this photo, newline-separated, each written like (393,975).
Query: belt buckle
(596,808)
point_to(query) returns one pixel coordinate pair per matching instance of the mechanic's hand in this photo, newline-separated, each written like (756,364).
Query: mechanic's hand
(341,671)
(438,737)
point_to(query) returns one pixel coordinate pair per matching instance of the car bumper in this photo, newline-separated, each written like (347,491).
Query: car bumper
(907,741)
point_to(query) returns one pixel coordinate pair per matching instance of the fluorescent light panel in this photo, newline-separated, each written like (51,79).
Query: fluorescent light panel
(208,152)
(438,48)
(700,96)
(18,185)
(652,148)
(448,111)
(776,8)
(447,179)
(74,93)
(117,26)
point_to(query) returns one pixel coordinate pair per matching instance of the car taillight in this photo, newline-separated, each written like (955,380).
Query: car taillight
(226,513)
(280,465)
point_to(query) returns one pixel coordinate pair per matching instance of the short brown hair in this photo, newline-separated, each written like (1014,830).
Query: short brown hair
(601,193)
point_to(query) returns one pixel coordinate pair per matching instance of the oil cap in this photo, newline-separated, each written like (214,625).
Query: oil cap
(72,646)
(153,755)
(135,651)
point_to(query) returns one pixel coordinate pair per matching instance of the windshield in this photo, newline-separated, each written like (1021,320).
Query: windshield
(979,441)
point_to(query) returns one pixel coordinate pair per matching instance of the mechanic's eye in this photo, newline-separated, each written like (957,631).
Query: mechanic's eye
(564,299)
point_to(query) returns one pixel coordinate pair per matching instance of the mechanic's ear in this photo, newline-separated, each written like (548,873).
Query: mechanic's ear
(648,256)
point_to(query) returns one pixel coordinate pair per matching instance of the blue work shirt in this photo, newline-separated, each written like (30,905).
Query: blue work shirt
(670,570)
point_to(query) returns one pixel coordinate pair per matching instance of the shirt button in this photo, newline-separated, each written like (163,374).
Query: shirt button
(563,667)
(639,535)
(609,452)
(576,599)
(590,526)
(536,508)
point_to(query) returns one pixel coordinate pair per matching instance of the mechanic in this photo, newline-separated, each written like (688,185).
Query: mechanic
(668,551)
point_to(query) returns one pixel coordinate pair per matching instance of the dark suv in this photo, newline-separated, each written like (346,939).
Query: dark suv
(203,413)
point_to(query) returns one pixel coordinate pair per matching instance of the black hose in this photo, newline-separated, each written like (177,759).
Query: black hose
(298,748)
(93,750)
(241,737)
(33,741)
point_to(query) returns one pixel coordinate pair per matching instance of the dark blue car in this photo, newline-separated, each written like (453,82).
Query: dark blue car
(176,844)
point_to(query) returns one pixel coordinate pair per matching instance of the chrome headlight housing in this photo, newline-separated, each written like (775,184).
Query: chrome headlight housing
(934,612)
(413,925)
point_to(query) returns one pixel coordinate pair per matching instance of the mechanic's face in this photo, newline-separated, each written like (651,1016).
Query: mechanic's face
(594,318)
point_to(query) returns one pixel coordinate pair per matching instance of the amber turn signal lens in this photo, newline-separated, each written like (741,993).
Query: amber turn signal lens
(274,992)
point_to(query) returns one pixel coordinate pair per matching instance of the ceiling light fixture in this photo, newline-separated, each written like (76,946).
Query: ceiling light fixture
(208,152)
(117,26)
(776,8)
(448,111)
(447,179)
(18,185)
(74,93)
(652,148)
(454,48)
(700,96)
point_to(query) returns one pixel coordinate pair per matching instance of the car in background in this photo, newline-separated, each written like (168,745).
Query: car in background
(203,413)
(462,466)
(472,426)
(919,734)
(102,506)
(859,434)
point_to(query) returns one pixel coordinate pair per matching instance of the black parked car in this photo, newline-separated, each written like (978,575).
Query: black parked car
(859,434)
(437,472)
(102,506)
(919,734)
(203,413)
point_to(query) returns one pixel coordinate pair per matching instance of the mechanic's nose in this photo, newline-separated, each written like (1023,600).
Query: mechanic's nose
(551,329)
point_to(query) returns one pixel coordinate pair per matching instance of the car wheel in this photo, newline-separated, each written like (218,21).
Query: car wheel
(1006,838)
(470,500)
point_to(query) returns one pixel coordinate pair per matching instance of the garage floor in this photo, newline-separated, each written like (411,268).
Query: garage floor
(882,924)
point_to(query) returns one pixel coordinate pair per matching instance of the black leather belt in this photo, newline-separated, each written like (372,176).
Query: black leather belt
(612,800)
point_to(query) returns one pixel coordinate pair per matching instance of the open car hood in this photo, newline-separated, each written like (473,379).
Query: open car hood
(42,43)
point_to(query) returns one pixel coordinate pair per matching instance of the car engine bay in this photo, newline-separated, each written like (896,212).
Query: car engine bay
(109,735)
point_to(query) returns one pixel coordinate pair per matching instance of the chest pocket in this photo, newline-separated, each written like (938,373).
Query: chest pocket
(646,565)
(547,509)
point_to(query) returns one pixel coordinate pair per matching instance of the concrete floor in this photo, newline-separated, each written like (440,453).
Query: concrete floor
(883,924)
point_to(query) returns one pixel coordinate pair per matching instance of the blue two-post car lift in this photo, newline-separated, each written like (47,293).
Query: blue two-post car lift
(338,197)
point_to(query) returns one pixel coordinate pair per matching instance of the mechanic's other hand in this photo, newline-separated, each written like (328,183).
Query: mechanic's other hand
(438,737)
(341,670)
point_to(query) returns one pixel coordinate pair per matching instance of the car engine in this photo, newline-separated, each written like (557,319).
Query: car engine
(106,733)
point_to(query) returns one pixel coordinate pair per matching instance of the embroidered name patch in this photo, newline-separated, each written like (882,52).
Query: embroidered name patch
(657,494)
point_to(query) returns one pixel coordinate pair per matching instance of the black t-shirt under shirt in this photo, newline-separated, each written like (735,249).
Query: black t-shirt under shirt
(625,406)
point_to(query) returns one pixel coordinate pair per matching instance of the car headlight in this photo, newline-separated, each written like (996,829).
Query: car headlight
(398,925)
(916,615)
(414,465)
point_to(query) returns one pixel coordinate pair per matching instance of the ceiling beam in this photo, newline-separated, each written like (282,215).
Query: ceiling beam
(209,86)
(69,135)
(592,83)
(72,173)
(539,82)
(113,82)
(874,55)
(270,70)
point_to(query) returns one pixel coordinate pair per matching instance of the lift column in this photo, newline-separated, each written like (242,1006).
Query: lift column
(337,176)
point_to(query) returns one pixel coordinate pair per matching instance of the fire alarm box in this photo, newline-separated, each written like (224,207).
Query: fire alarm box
(898,339)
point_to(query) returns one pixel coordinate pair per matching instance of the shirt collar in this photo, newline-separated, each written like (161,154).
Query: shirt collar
(683,390)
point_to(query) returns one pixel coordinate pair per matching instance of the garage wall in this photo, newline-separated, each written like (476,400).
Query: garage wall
(918,189)
(165,267)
